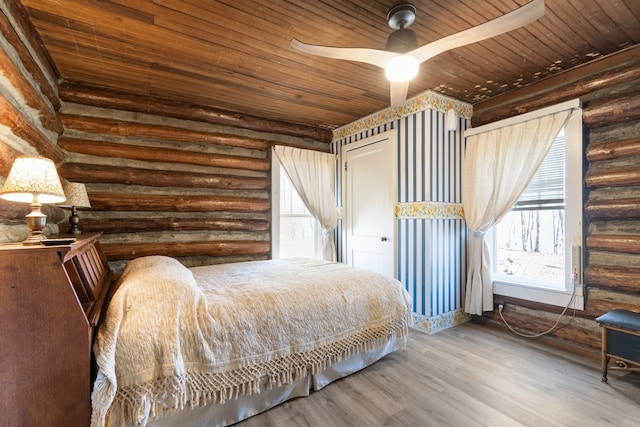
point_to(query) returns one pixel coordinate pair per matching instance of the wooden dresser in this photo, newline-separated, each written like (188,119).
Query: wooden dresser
(51,299)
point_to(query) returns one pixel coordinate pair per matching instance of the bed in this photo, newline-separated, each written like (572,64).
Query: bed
(213,345)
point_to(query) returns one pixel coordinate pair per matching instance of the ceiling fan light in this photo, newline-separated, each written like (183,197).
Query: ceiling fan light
(402,68)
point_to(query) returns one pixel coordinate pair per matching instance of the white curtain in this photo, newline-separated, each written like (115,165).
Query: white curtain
(312,173)
(498,165)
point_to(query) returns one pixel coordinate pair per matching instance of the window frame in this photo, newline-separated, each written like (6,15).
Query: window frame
(572,294)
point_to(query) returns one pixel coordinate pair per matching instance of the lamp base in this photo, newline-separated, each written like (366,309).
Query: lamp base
(74,220)
(34,239)
(36,221)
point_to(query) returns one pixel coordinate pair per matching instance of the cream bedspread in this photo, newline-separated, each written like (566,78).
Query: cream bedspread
(174,337)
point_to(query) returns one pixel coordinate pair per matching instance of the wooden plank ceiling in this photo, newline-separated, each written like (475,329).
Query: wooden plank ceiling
(235,54)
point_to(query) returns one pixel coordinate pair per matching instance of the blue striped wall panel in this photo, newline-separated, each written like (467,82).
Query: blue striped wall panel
(431,252)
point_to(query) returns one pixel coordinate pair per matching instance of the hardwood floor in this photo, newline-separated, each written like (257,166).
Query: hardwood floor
(470,375)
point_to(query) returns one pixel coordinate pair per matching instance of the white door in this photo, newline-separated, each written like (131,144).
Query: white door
(369,199)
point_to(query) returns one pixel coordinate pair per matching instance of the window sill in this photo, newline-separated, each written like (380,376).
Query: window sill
(557,297)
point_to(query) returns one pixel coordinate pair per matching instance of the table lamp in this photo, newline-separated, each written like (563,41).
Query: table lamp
(33,180)
(77,198)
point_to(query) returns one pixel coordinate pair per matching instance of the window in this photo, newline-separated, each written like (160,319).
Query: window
(529,241)
(537,245)
(295,232)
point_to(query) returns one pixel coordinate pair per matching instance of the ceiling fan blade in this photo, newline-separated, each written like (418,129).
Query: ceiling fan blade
(370,56)
(398,92)
(511,21)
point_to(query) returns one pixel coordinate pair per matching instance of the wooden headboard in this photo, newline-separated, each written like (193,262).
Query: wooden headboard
(52,300)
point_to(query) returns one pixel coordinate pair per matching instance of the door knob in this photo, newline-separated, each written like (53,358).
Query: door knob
(384,239)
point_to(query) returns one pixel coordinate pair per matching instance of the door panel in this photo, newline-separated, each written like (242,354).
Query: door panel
(369,201)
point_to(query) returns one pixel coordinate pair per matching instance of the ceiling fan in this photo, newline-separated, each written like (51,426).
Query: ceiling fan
(402,57)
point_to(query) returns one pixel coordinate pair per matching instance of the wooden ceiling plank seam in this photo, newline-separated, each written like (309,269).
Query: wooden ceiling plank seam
(552,44)
(144,6)
(518,40)
(119,9)
(470,78)
(273,60)
(556,45)
(197,66)
(295,73)
(136,46)
(248,18)
(621,13)
(221,24)
(601,23)
(135,59)
(564,33)
(335,25)
(221,86)
(582,27)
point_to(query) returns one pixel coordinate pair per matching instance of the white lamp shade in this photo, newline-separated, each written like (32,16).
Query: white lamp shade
(402,68)
(76,193)
(33,176)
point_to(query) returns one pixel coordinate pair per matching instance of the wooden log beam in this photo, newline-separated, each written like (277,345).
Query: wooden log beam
(621,279)
(613,150)
(529,324)
(622,243)
(81,172)
(14,211)
(595,306)
(157,154)
(31,95)
(126,251)
(168,133)
(147,224)
(614,110)
(613,208)
(613,178)
(22,127)
(7,157)
(615,69)
(532,305)
(603,300)
(117,100)
(174,203)
(47,88)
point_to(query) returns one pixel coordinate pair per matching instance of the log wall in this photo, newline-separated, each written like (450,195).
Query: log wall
(196,191)
(610,93)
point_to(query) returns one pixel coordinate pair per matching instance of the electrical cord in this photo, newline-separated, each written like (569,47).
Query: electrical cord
(573,295)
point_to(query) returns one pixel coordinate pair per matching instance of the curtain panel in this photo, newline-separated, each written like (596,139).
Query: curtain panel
(498,166)
(312,173)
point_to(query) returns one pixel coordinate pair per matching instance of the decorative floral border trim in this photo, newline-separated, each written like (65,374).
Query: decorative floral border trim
(428,210)
(426,100)
(441,321)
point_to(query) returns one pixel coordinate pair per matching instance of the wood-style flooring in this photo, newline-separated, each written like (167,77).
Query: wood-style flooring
(470,375)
